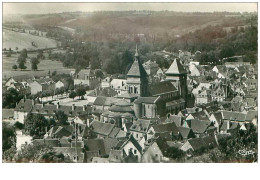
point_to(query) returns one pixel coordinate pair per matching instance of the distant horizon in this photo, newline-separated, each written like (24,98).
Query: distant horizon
(90,7)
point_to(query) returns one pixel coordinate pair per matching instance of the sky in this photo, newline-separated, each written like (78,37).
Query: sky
(43,8)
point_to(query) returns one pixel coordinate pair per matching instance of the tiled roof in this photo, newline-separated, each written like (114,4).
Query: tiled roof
(199,126)
(176,68)
(137,70)
(105,101)
(251,115)
(161,88)
(231,115)
(167,127)
(140,125)
(95,145)
(185,132)
(197,143)
(148,100)
(24,105)
(7,113)
(176,119)
(102,128)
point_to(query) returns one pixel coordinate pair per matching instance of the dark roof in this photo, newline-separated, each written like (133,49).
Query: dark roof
(231,115)
(148,100)
(140,125)
(197,143)
(95,145)
(114,132)
(24,105)
(199,126)
(50,142)
(161,88)
(251,115)
(102,128)
(210,141)
(105,101)
(176,68)
(185,132)
(109,144)
(7,113)
(176,119)
(134,142)
(167,127)
(137,69)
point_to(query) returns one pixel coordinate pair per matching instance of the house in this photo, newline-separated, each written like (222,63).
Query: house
(132,148)
(86,77)
(100,160)
(116,156)
(203,97)
(59,85)
(199,127)
(156,151)
(194,71)
(167,131)
(22,109)
(237,103)
(140,128)
(35,87)
(119,85)
(106,82)
(216,119)
(101,129)
(185,133)
(102,104)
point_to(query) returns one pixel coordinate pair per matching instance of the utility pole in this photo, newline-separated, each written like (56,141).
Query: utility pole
(76,142)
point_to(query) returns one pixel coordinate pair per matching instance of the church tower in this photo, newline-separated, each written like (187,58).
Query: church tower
(178,76)
(137,77)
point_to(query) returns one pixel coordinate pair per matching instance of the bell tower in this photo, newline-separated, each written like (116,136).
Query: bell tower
(178,76)
(137,77)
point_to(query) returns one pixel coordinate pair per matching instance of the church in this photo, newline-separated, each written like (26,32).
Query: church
(157,99)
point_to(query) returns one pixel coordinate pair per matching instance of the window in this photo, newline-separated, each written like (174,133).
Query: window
(136,135)
(135,151)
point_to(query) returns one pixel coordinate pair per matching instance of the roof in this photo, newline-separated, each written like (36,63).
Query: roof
(134,142)
(167,127)
(137,69)
(148,100)
(71,152)
(50,142)
(176,68)
(7,113)
(251,115)
(161,88)
(104,101)
(176,119)
(102,128)
(184,131)
(199,126)
(231,115)
(197,143)
(140,125)
(24,105)
(95,145)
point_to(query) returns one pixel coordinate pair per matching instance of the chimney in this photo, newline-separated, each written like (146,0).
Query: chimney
(73,107)
(84,108)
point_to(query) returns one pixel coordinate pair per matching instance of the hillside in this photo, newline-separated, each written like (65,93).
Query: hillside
(13,39)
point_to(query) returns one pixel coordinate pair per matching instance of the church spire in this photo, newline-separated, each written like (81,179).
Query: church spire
(136,51)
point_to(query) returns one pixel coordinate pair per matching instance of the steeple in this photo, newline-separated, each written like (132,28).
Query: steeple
(136,52)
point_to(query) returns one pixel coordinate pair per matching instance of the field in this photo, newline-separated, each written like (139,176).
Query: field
(13,39)
(43,67)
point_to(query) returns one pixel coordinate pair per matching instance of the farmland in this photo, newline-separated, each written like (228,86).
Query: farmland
(19,40)
(43,67)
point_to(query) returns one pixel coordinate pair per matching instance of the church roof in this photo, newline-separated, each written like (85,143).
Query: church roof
(176,68)
(137,69)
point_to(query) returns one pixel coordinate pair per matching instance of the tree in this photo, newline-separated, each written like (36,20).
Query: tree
(8,137)
(21,61)
(9,54)
(14,67)
(40,152)
(175,153)
(24,53)
(73,94)
(80,91)
(40,55)
(11,97)
(61,118)
(35,125)
(34,63)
